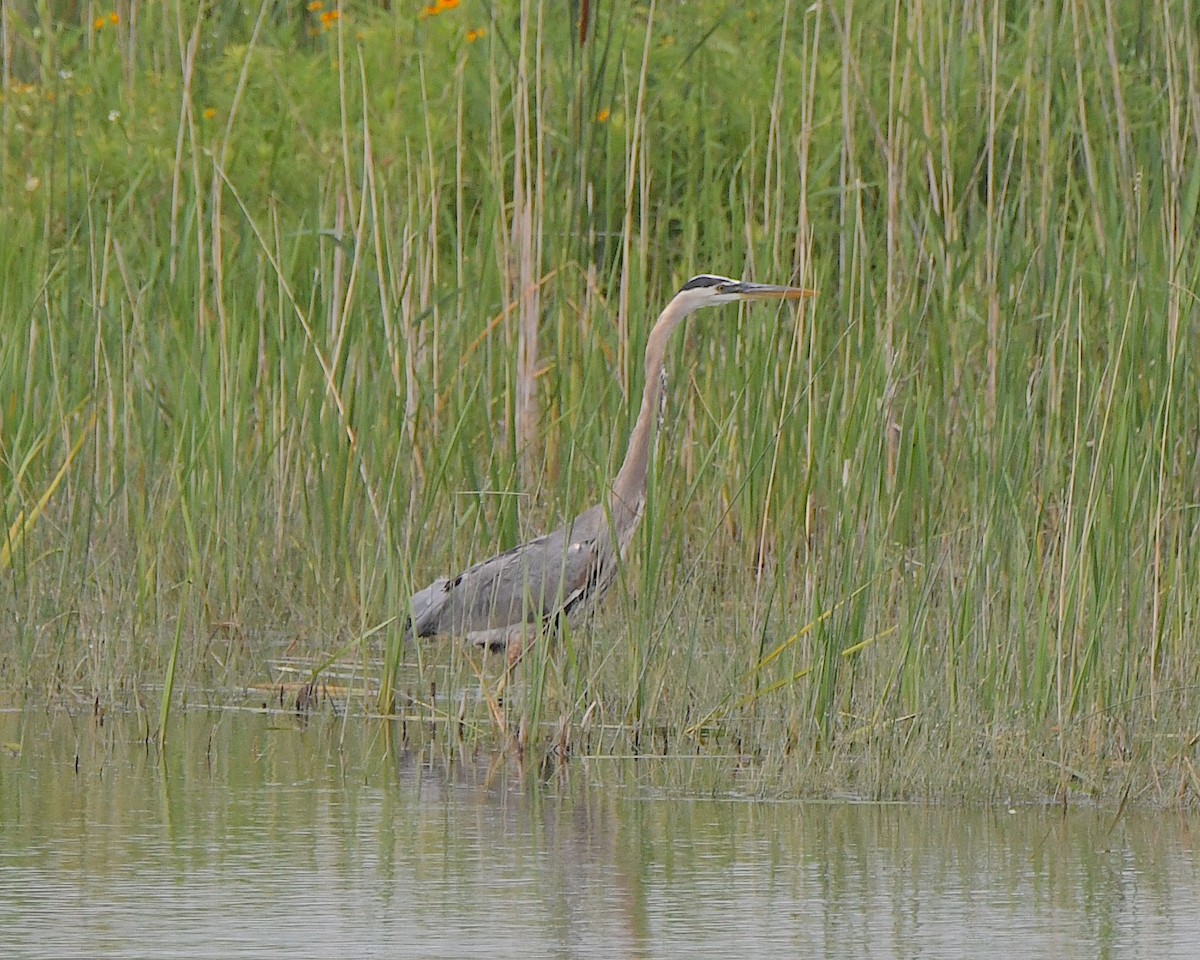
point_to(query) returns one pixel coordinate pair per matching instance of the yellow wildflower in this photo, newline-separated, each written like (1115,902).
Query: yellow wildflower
(603,115)
(209,113)
(314,6)
(477,34)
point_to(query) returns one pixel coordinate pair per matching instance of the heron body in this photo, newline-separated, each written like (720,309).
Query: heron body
(502,603)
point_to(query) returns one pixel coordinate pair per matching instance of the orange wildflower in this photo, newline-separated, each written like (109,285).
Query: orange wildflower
(438,6)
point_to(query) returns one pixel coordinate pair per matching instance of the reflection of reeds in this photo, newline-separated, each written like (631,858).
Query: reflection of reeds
(355,308)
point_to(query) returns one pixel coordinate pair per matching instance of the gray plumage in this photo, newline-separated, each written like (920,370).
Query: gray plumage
(495,602)
(503,602)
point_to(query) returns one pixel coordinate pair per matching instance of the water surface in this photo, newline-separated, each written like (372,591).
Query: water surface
(259,836)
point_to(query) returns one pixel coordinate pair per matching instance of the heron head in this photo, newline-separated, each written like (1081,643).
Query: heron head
(707,290)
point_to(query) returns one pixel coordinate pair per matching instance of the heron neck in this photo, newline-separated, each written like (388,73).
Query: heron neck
(629,487)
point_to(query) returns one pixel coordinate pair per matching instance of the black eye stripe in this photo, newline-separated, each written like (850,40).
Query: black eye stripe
(705,280)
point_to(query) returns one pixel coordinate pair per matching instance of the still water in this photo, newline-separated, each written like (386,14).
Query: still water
(257,836)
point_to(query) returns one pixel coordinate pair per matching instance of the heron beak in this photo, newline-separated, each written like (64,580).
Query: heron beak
(765,291)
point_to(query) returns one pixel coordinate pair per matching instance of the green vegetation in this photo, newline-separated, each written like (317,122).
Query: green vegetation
(300,311)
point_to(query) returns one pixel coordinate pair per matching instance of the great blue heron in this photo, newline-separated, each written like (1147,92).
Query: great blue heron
(503,603)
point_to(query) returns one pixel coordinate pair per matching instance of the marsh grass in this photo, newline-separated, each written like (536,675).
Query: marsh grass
(301,311)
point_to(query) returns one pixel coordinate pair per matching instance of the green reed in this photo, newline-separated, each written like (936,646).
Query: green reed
(301,312)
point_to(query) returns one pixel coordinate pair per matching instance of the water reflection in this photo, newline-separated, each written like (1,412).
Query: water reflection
(261,837)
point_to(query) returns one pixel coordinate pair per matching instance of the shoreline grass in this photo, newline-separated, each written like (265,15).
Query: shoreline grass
(354,300)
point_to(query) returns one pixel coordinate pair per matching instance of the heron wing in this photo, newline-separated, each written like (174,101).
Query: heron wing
(529,583)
